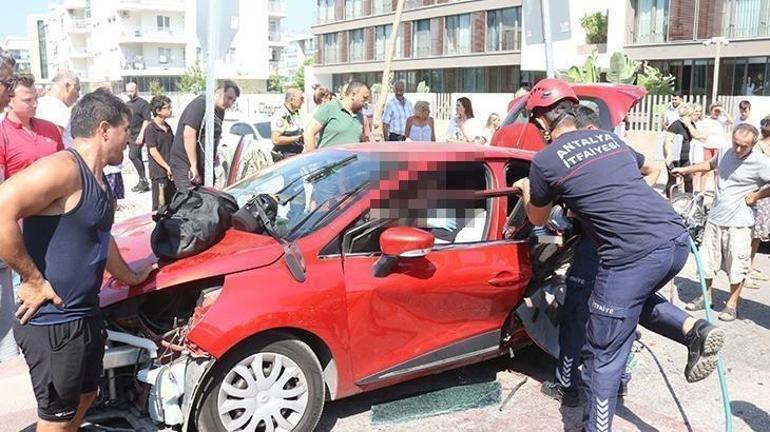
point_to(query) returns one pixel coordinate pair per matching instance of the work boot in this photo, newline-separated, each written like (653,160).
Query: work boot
(703,344)
(567,396)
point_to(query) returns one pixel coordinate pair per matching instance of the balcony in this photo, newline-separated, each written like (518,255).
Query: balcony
(150,35)
(277,8)
(137,66)
(78,26)
(151,5)
(80,53)
(274,39)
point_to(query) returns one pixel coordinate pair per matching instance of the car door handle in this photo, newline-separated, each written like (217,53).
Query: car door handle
(504,279)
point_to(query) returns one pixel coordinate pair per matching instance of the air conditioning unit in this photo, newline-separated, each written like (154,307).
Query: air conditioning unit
(124,14)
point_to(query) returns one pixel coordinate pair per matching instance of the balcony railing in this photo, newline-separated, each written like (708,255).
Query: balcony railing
(79,24)
(276,6)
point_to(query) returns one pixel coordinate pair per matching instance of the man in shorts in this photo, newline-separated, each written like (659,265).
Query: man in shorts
(727,238)
(61,255)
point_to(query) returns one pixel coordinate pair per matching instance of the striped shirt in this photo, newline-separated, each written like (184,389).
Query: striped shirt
(396,114)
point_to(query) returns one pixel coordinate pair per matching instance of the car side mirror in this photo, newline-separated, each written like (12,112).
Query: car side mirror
(401,243)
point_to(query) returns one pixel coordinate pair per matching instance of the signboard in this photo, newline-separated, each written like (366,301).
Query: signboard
(560,21)
(227,24)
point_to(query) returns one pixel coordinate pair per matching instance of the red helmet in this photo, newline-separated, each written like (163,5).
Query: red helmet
(548,92)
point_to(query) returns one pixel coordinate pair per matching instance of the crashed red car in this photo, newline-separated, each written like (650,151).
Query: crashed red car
(612,101)
(388,263)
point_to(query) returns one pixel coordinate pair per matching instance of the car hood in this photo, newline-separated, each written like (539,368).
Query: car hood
(237,251)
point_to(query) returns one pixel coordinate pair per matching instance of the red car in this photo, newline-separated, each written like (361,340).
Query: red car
(388,263)
(613,101)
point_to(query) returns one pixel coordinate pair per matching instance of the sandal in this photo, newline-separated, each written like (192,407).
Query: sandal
(728,314)
(758,275)
(697,305)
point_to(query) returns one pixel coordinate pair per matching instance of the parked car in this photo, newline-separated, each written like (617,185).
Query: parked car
(244,150)
(388,263)
(613,102)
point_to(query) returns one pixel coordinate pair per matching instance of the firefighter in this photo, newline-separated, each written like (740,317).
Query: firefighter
(641,242)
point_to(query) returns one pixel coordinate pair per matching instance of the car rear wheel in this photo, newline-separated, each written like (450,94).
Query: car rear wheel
(275,388)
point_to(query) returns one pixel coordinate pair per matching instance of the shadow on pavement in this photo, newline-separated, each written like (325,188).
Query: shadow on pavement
(688,290)
(755,417)
(530,361)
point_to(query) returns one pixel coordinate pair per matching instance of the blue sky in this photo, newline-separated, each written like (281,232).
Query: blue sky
(13,19)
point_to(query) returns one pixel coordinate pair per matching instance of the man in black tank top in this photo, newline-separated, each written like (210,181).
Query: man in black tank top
(67,212)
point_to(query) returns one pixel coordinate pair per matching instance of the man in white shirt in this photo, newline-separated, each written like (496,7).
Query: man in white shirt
(672,113)
(397,111)
(55,106)
(745,115)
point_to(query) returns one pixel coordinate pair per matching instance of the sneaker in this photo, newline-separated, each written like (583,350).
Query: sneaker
(703,344)
(568,397)
(750,283)
(758,275)
(142,187)
(623,389)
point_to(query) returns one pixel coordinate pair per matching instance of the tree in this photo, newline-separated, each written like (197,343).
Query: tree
(193,81)
(595,26)
(156,89)
(299,77)
(274,84)
(622,70)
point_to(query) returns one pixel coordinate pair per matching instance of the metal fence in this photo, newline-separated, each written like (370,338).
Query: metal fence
(648,114)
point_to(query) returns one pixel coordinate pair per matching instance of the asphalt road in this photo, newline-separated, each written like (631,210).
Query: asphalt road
(660,399)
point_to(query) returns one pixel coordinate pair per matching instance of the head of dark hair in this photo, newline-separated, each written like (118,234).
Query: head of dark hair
(158,102)
(467,106)
(354,86)
(562,112)
(744,105)
(24,80)
(320,93)
(93,109)
(586,116)
(745,128)
(6,59)
(678,94)
(765,127)
(227,84)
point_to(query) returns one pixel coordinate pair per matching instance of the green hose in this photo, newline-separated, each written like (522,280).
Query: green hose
(720,365)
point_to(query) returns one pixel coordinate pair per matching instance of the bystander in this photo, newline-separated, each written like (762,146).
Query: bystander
(158,138)
(339,121)
(421,126)
(56,104)
(8,348)
(286,126)
(672,110)
(727,237)
(761,232)
(464,127)
(397,110)
(140,119)
(745,116)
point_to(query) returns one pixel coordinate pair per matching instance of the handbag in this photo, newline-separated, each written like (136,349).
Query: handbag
(191,222)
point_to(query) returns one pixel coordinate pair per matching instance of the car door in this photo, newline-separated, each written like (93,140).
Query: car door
(446,308)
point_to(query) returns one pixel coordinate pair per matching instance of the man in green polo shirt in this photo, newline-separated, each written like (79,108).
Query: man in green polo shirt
(339,121)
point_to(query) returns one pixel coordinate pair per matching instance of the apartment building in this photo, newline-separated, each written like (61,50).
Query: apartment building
(670,34)
(299,48)
(453,46)
(148,41)
(18,47)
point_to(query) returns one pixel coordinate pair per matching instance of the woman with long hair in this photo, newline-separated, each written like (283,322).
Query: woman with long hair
(463,127)
(493,124)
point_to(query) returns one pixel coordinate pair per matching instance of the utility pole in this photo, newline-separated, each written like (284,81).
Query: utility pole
(545,9)
(718,41)
(379,108)
(211,57)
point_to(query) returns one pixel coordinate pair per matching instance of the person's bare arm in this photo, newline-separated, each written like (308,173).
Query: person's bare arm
(702,167)
(537,215)
(190,144)
(385,130)
(118,267)
(408,127)
(41,188)
(279,140)
(651,172)
(157,157)
(140,137)
(432,129)
(313,129)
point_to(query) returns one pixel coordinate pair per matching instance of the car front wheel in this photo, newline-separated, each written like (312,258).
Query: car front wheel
(275,388)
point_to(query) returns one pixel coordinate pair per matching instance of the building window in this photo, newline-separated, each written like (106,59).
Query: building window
(458,35)
(750,18)
(412,4)
(504,29)
(331,49)
(651,24)
(164,55)
(325,11)
(382,37)
(353,8)
(164,23)
(356,52)
(421,38)
(382,7)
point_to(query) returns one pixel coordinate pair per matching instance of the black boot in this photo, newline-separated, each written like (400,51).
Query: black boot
(703,344)
(567,396)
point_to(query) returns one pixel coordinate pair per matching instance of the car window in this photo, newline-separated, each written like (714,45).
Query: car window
(241,129)
(263,129)
(519,115)
(441,202)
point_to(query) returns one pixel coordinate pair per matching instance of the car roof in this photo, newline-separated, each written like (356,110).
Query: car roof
(439,148)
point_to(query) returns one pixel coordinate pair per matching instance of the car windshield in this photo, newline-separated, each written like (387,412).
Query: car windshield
(263,129)
(311,188)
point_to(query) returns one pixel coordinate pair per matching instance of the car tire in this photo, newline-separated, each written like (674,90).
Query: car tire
(236,390)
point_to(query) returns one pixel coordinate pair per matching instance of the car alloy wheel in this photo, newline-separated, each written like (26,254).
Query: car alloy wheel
(266,391)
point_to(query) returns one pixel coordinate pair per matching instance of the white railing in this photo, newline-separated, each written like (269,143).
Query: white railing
(648,114)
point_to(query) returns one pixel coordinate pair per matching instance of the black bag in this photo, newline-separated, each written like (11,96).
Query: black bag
(192,222)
